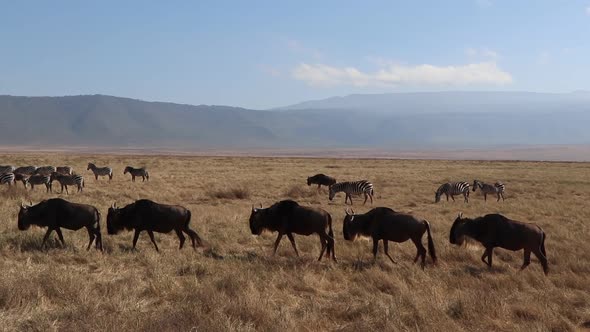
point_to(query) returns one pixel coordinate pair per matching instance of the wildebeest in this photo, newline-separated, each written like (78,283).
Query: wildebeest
(321,180)
(68,180)
(57,213)
(385,224)
(65,170)
(288,217)
(137,172)
(38,179)
(495,230)
(147,215)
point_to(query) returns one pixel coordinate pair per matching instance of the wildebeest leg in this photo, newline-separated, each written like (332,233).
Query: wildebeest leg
(49,230)
(543,259)
(60,235)
(488,252)
(292,239)
(375,249)
(180,237)
(135,237)
(151,234)
(420,251)
(98,240)
(324,244)
(527,259)
(386,250)
(277,243)
(91,236)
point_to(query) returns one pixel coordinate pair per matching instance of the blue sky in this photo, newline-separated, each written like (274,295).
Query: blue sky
(262,54)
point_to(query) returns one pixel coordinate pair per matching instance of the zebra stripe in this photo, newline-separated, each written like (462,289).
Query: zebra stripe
(137,172)
(100,171)
(46,170)
(352,188)
(7,178)
(66,170)
(6,169)
(496,189)
(68,180)
(452,189)
(26,170)
(38,179)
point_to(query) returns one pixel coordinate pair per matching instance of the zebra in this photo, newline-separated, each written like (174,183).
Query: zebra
(21,177)
(349,188)
(26,170)
(137,172)
(46,170)
(68,180)
(65,170)
(7,178)
(497,188)
(100,171)
(6,169)
(452,189)
(38,179)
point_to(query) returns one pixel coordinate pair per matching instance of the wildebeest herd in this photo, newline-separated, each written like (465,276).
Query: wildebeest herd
(288,217)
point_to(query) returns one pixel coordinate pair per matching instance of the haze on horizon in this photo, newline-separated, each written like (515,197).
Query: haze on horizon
(262,55)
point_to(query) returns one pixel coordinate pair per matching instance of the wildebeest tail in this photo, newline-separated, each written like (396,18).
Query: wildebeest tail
(192,233)
(97,218)
(431,249)
(542,248)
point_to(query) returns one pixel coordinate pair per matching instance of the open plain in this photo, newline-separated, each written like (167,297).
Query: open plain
(236,284)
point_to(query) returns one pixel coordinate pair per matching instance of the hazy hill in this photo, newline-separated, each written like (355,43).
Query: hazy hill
(445,119)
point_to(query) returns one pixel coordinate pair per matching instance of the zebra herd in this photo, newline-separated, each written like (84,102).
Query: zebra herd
(64,175)
(365,188)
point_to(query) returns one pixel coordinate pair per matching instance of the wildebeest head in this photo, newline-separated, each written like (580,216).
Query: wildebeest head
(25,217)
(309,181)
(258,220)
(332,193)
(348,230)
(457,235)
(114,220)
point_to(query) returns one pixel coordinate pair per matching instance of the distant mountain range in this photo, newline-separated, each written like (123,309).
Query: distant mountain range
(392,121)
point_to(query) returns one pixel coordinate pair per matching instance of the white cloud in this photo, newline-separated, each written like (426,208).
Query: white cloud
(398,74)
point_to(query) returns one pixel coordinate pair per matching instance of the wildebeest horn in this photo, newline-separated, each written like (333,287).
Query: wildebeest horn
(260,205)
(460,215)
(22,205)
(114,205)
(346,211)
(351,210)
(30,202)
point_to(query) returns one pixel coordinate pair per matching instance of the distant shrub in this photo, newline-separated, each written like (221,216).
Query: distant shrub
(230,193)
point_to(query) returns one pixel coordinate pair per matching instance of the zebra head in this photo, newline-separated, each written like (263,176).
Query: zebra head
(437,195)
(476,183)
(332,192)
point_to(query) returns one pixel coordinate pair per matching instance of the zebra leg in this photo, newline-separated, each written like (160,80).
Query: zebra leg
(453,197)
(485,197)
(366,197)
(498,197)
(95,177)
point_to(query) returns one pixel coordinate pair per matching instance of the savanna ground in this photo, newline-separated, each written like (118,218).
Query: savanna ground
(236,284)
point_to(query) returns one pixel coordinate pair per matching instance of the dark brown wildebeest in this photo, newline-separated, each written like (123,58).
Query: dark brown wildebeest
(288,217)
(57,213)
(137,172)
(495,230)
(146,215)
(385,224)
(321,180)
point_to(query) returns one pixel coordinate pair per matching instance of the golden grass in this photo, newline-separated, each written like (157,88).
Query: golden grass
(236,284)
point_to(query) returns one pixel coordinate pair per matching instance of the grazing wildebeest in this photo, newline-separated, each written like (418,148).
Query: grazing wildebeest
(100,171)
(57,213)
(288,217)
(385,224)
(321,180)
(137,172)
(68,180)
(38,179)
(65,170)
(146,215)
(495,230)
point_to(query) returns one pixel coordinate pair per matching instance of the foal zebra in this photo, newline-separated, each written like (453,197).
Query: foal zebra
(26,170)
(68,180)
(46,170)
(452,189)
(100,171)
(38,179)
(6,169)
(352,188)
(7,178)
(497,189)
(137,172)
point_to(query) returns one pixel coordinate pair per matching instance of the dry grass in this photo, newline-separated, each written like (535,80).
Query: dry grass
(237,285)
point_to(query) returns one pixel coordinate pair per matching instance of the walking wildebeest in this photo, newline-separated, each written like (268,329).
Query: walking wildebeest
(321,180)
(288,217)
(56,213)
(495,230)
(137,172)
(146,215)
(385,224)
